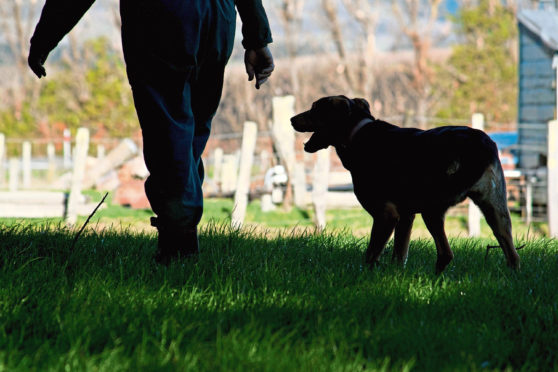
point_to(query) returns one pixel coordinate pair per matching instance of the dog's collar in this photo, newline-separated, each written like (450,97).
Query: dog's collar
(358,127)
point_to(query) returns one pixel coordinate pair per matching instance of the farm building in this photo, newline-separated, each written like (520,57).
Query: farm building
(537,101)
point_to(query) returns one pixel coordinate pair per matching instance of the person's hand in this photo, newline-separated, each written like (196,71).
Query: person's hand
(36,61)
(259,64)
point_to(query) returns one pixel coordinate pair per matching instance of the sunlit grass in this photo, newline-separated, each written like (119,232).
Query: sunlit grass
(355,220)
(282,302)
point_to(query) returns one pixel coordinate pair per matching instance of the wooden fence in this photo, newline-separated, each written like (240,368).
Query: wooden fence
(320,187)
(71,172)
(315,180)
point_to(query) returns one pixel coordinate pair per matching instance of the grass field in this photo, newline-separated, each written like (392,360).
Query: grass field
(272,303)
(355,220)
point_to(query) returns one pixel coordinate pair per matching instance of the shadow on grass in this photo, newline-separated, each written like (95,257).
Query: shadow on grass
(294,301)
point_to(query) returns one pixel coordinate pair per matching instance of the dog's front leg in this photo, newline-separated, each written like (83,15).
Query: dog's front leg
(402,238)
(384,223)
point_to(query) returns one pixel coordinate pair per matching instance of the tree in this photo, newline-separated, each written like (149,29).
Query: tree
(97,96)
(416,19)
(291,17)
(365,13)
(331,11)
(87,88)
(19,89)
(486,63)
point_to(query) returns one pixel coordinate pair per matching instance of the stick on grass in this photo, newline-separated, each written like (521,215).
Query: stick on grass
(489,247)
(87,221)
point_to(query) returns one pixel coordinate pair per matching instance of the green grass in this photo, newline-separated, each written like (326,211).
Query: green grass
(281,303)
(356,220)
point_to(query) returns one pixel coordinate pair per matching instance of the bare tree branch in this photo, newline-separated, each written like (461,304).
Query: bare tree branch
(330,10)
(419,31)
(366,17)
(16,21)
(291,17)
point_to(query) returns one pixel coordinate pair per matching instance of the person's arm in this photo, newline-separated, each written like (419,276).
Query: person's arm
(256,35)
(57,19)
(255,26)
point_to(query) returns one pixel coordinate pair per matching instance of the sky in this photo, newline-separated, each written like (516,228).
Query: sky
(452,6)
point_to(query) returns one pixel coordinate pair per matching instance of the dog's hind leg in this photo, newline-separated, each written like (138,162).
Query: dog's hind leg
(382,228)
(489,193)
(402,238)
(435,224)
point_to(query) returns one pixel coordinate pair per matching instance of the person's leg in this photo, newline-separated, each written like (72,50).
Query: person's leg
(174,185)
(162,96)
(176,96)
(168,125)
(206,94)
(207,87)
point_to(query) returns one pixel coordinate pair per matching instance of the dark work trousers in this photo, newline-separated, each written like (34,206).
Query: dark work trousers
(175,53)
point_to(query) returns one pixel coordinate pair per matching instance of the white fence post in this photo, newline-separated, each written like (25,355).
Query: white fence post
(116,157)
(229,173)
(14,174)
(474,212)
(217,167)
(299,185)
(249,137)
(51,156)
(80,156)
(101,151)
(552,185)
(67,149)
(2,157)
(284,135)
(528,201)
(320,185)
(26,162)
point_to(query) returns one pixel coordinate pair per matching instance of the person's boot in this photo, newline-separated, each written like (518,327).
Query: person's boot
(174,243)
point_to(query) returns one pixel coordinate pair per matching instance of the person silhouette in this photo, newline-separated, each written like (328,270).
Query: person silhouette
(175,53)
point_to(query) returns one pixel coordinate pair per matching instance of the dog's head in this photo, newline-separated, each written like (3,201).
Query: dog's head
(331,119)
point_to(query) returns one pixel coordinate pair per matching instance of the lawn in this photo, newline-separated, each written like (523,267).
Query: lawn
(278,302)
(355,220)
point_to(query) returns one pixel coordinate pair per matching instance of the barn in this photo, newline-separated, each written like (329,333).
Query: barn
(537,100)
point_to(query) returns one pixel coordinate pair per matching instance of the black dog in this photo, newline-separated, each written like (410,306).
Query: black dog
(398,172)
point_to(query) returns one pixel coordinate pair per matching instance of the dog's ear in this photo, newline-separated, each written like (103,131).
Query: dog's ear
(362,103)
(341,105)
